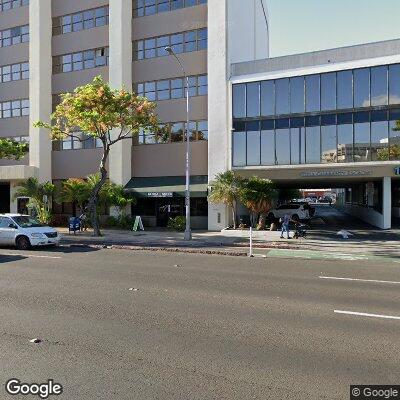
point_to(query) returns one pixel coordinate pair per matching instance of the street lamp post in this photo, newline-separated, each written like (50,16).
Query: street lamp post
(188,232)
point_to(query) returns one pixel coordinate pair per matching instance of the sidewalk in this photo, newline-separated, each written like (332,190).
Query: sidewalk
(363,242)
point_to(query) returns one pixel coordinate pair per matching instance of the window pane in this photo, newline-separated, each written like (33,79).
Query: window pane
(283,146)
(345,89)
(328,144)
(313,102)
(394,84)
(239,149)
(297,95)
(328,91)
(362,142)
(268,147)
(253,147)
(345,143)
(313,142)
(379,86)
(297,145)
(282,96)
(361,87)
(253,99)
(379,141)
(394,136)
(267,98)
(239,101)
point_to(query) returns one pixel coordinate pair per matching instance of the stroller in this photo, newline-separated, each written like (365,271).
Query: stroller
(300,231)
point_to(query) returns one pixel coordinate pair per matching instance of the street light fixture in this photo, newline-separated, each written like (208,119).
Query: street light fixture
(188,232)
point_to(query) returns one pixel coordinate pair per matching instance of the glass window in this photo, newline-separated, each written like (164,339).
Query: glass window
(313,145)
(394,84)
(253,99)
(394,134)
(282,96)
(253,143)
(239,101)
(362,139)
(297,145)
(267,98)
(328,144)
(282,143)
(239,149)
(297,95)
(313,102)
(344,89)
(379,86)
(267,145)
(361,87)
(328,91)
(379,141)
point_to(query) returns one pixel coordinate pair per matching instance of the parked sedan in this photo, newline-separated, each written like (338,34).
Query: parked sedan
(24,231)
(296,211)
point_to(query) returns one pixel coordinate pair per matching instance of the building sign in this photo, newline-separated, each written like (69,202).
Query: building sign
(160,194)
(316,174)
(397,171)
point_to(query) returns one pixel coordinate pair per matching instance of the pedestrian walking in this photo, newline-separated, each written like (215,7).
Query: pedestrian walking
(83,219)
(285,220)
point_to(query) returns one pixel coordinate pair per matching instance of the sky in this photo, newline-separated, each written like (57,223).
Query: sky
(298,26)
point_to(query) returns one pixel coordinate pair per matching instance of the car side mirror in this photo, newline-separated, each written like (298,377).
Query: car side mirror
(12,226)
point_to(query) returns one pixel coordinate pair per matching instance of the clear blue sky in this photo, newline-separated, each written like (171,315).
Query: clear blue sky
(298,26)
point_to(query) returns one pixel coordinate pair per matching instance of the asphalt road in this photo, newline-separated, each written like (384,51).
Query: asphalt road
(213,327)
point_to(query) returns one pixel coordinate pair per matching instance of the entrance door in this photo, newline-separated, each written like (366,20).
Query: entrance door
(168,208)
(4,198)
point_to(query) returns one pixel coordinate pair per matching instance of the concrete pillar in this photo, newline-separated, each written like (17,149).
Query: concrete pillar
(40,72)
(13,203)
(218,104)
(120,75)
(387,202)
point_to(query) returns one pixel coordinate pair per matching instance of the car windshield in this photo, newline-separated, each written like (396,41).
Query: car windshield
(27,222)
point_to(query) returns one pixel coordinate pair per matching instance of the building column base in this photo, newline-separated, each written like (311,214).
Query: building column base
(218,217)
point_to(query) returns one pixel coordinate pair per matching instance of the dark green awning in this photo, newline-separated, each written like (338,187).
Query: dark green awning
(167,186)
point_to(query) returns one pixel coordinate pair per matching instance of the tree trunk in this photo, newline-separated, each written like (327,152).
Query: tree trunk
(262,221)
(94,196)
(74,208)
(234,214)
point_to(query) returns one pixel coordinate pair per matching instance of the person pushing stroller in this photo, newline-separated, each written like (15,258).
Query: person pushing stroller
(285,221)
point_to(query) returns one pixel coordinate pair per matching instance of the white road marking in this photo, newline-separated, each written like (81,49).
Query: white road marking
(28,255)
(366,314)
(358,280)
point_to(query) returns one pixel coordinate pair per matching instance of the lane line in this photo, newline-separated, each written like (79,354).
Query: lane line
(335,278)
(359,314)
(28,255)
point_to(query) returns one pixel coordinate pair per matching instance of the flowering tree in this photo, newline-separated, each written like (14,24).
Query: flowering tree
(105,115)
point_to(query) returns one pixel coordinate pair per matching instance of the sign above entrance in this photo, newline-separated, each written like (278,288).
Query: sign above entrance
(158,194)
(312,174)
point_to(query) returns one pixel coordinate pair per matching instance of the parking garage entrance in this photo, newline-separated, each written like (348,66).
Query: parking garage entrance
(4,197)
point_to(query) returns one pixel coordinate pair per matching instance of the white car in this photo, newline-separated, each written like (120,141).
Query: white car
(296,211)
(24,231)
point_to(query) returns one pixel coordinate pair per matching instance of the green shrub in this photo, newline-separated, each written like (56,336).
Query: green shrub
(177,224)
(111,222)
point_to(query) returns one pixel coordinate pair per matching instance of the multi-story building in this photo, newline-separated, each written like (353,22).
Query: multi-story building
(48,47)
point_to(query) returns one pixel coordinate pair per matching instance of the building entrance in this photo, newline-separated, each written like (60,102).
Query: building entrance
(4,197)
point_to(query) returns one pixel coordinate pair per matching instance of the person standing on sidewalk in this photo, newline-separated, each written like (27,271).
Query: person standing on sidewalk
(285,220)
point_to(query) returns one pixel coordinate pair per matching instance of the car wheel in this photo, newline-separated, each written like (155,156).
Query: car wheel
(23,243)
(295,217)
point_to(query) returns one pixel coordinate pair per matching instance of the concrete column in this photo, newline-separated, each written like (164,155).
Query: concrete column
(120,75)
(387,202)
(13,203)
(218,104)
(40,72)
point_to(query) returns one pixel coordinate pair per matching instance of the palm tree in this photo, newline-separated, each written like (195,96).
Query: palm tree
(226,189)
(74,191)
(258,196)
(116,196)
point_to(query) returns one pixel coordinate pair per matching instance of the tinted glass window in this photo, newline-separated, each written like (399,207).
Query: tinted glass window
(282,123)
(394,84)
(253,147)
(362,150)
(394,140)
(253,99)
(267,147)
(345,143)
(379,141)
(361,87)
(313,143)
(239,101)
(313,102)
(346,118)
(296,122)
(345,89)
(297,145)
(379,86)
(328,91)
(282,96)
(282,146)
(297,95)
(328,144)
(239,149)
(267,98)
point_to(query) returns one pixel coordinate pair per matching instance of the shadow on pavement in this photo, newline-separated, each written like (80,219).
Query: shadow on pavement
(9,258)
(66,249)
